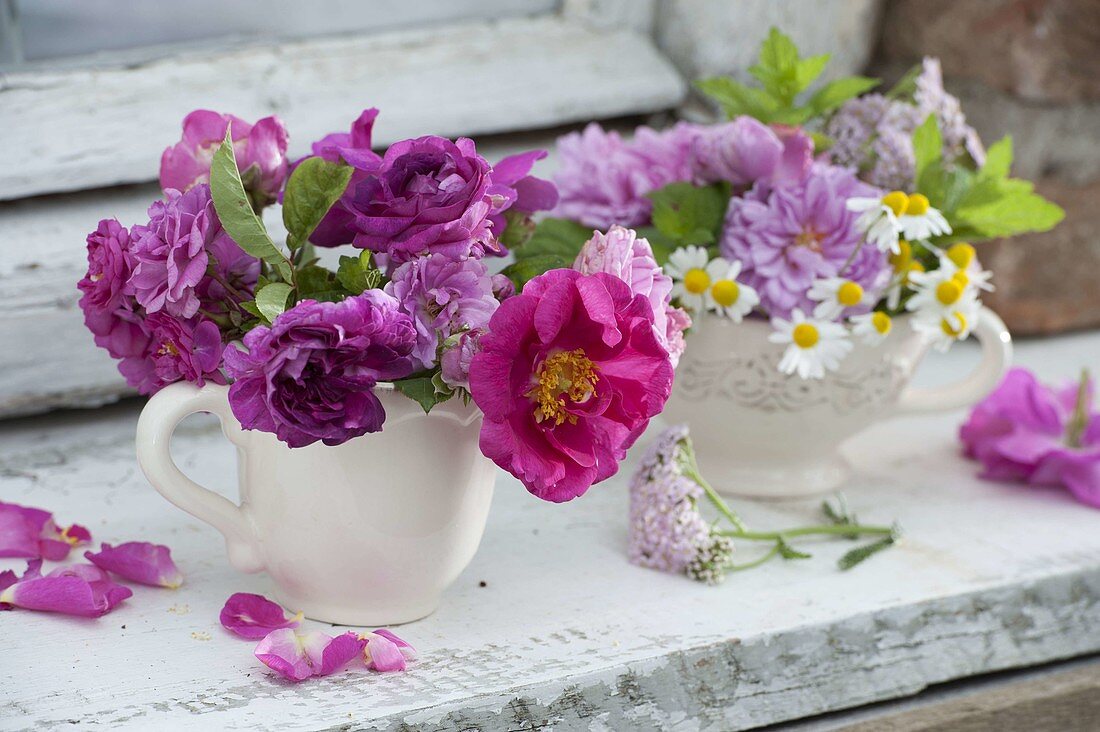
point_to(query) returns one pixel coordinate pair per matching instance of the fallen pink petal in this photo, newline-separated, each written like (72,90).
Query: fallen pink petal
(384,651)
(254,616)
(30,533)
(83,590)
(298,657)
(139,561)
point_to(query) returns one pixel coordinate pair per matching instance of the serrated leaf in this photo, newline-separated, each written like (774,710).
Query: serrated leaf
(1011,215)
(271,301)
(358,274)
(523,271)
(690,214)
(249,306)
(421,389)
(312,189)
(736,99)
(789,552)
(998,159)
(862,553)
(808,69)
(518,230)
(832,95)
(555,237)
(778,51)
(235,211)
(927,148)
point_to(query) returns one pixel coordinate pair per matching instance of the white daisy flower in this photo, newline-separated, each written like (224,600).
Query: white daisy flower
(938,292)
(920,221)
(879,218)
(943,329)
(687,266)
(961,261)
(903,264)
(834,294)
(727,296)
(813,346)
(871,328)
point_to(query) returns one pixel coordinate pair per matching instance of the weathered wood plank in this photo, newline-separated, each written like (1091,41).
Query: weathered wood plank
(85,128)
(566,634)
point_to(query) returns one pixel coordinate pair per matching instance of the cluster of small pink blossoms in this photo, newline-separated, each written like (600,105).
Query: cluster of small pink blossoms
(667,532)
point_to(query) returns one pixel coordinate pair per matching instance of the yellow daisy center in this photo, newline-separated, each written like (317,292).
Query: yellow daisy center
(566,374)
(918,205)
(900,261)
(725,292)
(896,201)
(696,281)
(962,254)
(949,292)
(805,335)
(849,294)
(950,329)
(881,322)
(961,277)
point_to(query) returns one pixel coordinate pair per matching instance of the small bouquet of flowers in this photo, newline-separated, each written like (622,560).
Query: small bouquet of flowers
(830,213)
(567,373)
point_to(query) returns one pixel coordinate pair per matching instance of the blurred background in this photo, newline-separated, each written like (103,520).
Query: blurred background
(91,92)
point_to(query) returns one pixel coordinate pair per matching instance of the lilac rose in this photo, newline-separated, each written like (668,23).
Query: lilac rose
(458,353)
(179,350)
(428,195)
(620,252)
(311,375)
(745,150)
(110,311)
(260,150)
(172,252)
(443,297)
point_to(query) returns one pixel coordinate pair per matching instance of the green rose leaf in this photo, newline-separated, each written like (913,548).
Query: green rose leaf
(927,149)
(690,215)
(235,211)
(313,188)
(358,274)
(524,270)
(422,390)
(555,237)
(271,300)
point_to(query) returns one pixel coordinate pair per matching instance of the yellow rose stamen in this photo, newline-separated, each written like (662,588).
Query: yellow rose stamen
(725,292)
(918,205)
(961,254)
(882,322)
(805,335)
(949,292)
(566,374)
(696,281)
(849,294)
(897,202)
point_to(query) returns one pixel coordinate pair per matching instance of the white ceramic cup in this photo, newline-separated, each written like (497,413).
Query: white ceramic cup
(760,434)
(370,532)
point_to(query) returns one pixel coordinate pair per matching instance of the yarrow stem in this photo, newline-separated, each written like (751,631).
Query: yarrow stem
(774,551)
(691,470)
(1075,430)
(851,530)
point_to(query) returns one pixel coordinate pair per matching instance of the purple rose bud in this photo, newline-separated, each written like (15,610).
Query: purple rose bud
(260,151)
(458,352)
(311,375)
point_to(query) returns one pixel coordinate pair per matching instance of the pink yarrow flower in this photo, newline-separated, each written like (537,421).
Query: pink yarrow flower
(254,616)
(80,589)
(260,150)
(622,253)
(1026,431)
(298,657)
(139,561)
(568,377)
(30,533)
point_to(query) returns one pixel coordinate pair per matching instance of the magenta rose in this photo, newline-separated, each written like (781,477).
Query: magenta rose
(260,150)
(178,350)
(1026,431)
(568,377)
(172,252)
(428,196)
(311,375)
(443,297)
(514,188)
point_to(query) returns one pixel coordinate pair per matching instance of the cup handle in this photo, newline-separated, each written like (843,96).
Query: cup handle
(158,421)
(996,343)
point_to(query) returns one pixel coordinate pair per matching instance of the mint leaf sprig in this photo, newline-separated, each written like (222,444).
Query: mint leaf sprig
(784,76)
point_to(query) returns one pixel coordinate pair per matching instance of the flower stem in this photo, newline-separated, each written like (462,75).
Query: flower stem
(1075,430)
(754,563)
(691,470)
(825,529)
